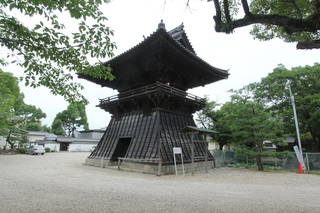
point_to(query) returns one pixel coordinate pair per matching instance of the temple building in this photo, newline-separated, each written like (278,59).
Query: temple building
(153,106)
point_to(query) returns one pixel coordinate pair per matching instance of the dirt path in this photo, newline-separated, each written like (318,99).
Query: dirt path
(58,182)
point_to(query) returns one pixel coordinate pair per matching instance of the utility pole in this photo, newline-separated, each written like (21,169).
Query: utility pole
(296,122)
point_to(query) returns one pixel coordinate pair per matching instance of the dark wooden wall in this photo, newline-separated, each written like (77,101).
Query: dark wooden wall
(171,136)
(140,127)
(148,132)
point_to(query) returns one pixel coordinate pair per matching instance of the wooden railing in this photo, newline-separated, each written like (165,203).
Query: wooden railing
(151,88)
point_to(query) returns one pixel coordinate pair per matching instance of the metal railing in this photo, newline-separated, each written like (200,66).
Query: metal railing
(312,160)
(151,88)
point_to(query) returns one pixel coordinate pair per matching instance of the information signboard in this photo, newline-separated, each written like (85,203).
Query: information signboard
(177,151)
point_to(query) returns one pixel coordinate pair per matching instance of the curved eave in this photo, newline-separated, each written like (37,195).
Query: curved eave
(211,70)
(215,73)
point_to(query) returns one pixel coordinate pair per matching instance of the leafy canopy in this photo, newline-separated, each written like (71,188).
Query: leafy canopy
(214,117)
(67,121)
(10,97)
(49,55)
(305,84)
(15,115)
(289,20)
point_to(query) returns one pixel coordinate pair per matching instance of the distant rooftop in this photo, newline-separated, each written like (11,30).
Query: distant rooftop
(38,133)
(94,130)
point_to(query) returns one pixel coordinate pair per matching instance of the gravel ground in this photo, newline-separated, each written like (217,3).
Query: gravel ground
(58,182)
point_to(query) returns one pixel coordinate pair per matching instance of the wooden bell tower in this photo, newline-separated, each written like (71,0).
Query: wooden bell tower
(152,106)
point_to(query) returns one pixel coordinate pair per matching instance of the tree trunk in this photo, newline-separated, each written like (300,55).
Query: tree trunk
(11,145)
(259,162)
(259,157)
(8,141)
(5,145)
(314,146)
(221,146)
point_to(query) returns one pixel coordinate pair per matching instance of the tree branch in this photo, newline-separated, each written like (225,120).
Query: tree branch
(226,10)
(290,25)
(245,7)
(294,4)
(302,45)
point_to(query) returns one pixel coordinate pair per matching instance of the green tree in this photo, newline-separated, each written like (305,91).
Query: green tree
(215,118)
(57,126)
(29,114)
(37,126)
(245,122)
(18,121)
(48,55)
(251,124)
(10,96)
(69,120)
(14,113)
(206,116)
(289,20)
(305,84)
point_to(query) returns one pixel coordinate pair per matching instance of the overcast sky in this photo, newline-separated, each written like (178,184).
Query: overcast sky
(246,59)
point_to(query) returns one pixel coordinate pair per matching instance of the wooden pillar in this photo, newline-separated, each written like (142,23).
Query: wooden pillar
(119,163)
(159,167)
(206,152)
(192,153)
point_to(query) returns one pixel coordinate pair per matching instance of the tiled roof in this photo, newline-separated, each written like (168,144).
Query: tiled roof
(178,43)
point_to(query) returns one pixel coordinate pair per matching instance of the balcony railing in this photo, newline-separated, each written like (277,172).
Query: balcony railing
(152,88)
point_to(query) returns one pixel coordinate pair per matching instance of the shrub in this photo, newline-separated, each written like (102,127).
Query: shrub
(47,149)
(22,150)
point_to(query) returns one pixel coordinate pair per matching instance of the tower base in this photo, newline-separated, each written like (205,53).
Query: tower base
(151,168)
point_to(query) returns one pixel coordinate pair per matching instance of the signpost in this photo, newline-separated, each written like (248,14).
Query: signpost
(177,151)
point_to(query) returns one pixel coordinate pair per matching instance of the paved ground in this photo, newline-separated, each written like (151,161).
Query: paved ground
(58,182)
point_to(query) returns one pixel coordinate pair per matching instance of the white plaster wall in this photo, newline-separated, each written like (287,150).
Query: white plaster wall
(33,138)
(81,147)
(97,135)
(91,135)
(2,141)
(53,146)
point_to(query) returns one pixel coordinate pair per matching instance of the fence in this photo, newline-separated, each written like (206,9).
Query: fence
(224,157)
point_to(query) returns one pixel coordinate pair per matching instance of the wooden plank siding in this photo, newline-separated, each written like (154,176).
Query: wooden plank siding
(149,131)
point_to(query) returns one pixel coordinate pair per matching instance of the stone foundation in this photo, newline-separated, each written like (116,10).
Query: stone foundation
(151,168)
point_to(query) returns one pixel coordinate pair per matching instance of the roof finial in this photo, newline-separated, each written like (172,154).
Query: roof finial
(161,25)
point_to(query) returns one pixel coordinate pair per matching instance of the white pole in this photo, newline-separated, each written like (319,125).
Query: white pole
(175,163)
(182,164)
(295,119)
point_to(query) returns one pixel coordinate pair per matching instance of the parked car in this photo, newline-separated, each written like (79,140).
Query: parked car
(35,150)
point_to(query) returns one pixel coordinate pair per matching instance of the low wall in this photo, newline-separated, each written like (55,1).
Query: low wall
(52,146)
(75,147)
(149,168)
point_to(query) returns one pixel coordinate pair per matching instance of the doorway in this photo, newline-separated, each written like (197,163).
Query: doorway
(64,146)
(121,148)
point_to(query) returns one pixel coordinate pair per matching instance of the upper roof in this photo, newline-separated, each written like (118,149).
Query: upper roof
(180,36)
(161,57)
(94,130)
